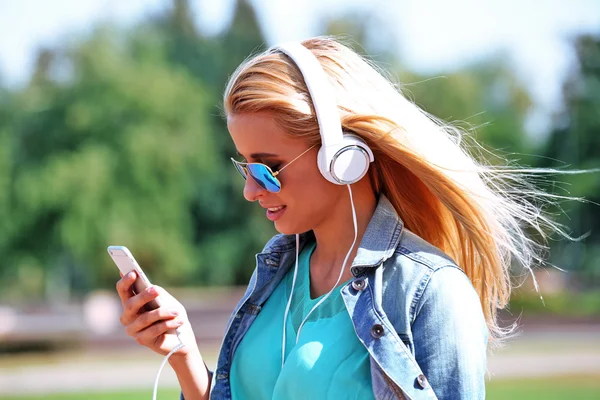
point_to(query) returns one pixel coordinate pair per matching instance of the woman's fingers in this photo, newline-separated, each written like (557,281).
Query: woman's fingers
(149,335)
(154,328)
(124,286)
(132,306)
(146,319)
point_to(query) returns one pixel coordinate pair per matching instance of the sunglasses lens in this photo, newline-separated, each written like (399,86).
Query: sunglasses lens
(261,174)
(240,169)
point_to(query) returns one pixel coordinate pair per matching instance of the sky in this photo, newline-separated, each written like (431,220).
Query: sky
(433,36)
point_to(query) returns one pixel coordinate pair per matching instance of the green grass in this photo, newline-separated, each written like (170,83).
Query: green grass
(171,394)
(554,388)
(574,387)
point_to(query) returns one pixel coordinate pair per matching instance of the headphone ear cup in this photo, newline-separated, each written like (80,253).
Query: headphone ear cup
(324,164)
(349,163)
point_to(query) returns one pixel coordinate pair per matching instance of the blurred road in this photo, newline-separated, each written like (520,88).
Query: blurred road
(562,351)
(115,362)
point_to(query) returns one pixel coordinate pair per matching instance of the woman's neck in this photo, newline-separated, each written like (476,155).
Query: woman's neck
(335,236)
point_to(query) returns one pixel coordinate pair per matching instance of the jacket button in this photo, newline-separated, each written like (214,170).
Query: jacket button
(359,284)
(422,381)
(377,331)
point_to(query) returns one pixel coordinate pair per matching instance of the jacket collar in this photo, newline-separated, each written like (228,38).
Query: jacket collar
(380,239)
(377,245)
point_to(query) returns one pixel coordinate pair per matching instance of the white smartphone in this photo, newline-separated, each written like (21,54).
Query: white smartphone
(126,263)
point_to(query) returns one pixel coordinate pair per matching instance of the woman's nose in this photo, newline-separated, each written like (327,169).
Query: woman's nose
(252,190)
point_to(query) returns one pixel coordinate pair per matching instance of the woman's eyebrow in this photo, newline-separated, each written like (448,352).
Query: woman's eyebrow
(263,155)
(259,155)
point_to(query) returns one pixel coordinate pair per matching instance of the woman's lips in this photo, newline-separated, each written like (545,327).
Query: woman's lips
(274,213)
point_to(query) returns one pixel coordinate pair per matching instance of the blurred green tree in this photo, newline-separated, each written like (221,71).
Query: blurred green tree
(486,99)
(128,148)
(211,60)
(119,140)
(110,157)
(575,143)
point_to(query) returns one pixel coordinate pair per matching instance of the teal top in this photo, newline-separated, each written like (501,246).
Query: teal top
(328,362)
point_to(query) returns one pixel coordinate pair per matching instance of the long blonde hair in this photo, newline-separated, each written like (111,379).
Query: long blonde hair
(474,212)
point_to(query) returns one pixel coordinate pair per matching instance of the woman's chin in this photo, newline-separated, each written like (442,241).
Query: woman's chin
(287,229)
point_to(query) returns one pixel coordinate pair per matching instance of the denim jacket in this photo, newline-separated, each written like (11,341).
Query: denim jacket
(412,307)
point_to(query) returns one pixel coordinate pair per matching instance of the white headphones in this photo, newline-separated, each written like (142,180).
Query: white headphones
(342,159)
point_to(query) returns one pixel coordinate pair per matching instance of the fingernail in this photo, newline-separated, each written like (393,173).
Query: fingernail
(152,290)
(174,313)
(179,322)
(130,274)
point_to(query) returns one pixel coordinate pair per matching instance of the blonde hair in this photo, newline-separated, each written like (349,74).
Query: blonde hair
(476,213)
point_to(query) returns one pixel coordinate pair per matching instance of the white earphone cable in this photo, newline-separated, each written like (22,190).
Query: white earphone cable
(328,293)
(287,307)
(162,365)
(341,270)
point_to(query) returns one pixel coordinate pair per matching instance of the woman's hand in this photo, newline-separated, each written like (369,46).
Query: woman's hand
(155,329)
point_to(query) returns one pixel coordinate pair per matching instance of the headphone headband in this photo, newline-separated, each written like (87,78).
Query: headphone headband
(342,159)
(322,98)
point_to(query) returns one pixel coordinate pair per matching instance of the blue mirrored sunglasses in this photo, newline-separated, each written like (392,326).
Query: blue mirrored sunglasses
(262,174)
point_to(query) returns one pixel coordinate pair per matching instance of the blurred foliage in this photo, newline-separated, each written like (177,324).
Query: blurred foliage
(128,149)
(486,98)
(575,141)
(571,304)
(118,139)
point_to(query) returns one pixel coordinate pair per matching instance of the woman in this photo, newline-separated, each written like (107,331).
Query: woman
(394,249)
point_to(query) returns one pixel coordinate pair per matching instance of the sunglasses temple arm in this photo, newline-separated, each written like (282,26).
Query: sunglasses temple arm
(285,166)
